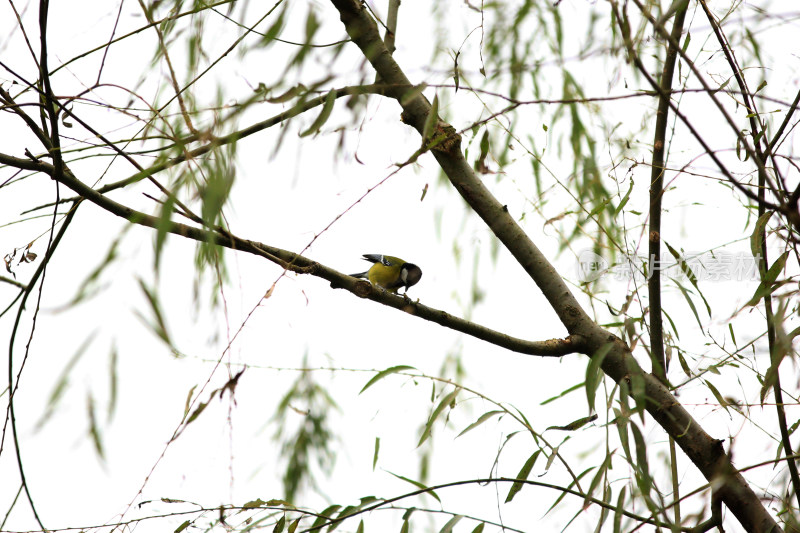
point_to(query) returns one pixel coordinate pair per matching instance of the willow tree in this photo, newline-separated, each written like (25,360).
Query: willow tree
(650,144)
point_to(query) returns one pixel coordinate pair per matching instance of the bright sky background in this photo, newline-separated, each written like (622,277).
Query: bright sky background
(285,201)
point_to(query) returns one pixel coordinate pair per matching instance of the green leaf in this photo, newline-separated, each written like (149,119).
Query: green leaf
(577,424)
(598,477)
(572,484)
(771,377)
(483,418)
(289,95)
(418,485)
(644,480)
(404,527)
(624,200)
(594,373)
(323,116)
(448,527)
(200,408)
(325,516)
(279,525)
(183,526)
(688,273)
(622,429)
(768,285)
(275,29)
(618,510)
(479,528)
(564,393)
(688,298)
(757,237)
(160,326)
(94,429)
(431,120)
(684,365)
(522,476)
(253,504)
(189,400)
(722,401)
(375,454)
(383,373)
(444,402)
(360,528)
(63,381)
(293,525)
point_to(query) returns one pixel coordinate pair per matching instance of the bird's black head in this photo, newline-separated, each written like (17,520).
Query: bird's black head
(410,274)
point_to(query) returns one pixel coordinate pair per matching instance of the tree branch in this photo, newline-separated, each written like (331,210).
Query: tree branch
(302,265)
(705,452)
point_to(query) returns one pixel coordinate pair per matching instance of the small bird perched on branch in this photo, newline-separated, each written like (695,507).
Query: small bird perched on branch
(390,272)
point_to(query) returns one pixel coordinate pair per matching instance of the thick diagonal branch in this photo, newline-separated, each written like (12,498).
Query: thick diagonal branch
(704,451)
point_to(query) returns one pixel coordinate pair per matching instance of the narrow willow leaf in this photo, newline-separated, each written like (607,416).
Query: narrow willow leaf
(688,298)
(722,401)
(447,400)
(644,480)
(200,408)
(594,373)
(576,424)
(404,527)
(768,285)
(94,429)
(160,325)
(375,454)
(383,373)
(618,511)
(163,226)
(622,429)
(757,237)
(418,485)
(325,516)
(183,526)
(275,29)
(360,528)
(684,365)
(293,525)
(572,484)
(771,377)
(483,418)
(689,273)
(324,115)
(280,525)
(624,200)
(564,393)
(639,394)
(522,476)
(479,528)
(253,504)
(598,477)
(448,527)
(189,400)
(113,383)
(63,381)
(288,95)
(431,120)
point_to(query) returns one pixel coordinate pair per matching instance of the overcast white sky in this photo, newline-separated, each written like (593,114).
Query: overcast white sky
(227,455)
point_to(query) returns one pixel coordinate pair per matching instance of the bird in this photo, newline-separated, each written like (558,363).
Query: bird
(390,273)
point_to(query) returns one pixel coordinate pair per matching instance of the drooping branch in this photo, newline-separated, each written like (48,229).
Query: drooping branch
(302,265)
(618,363)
